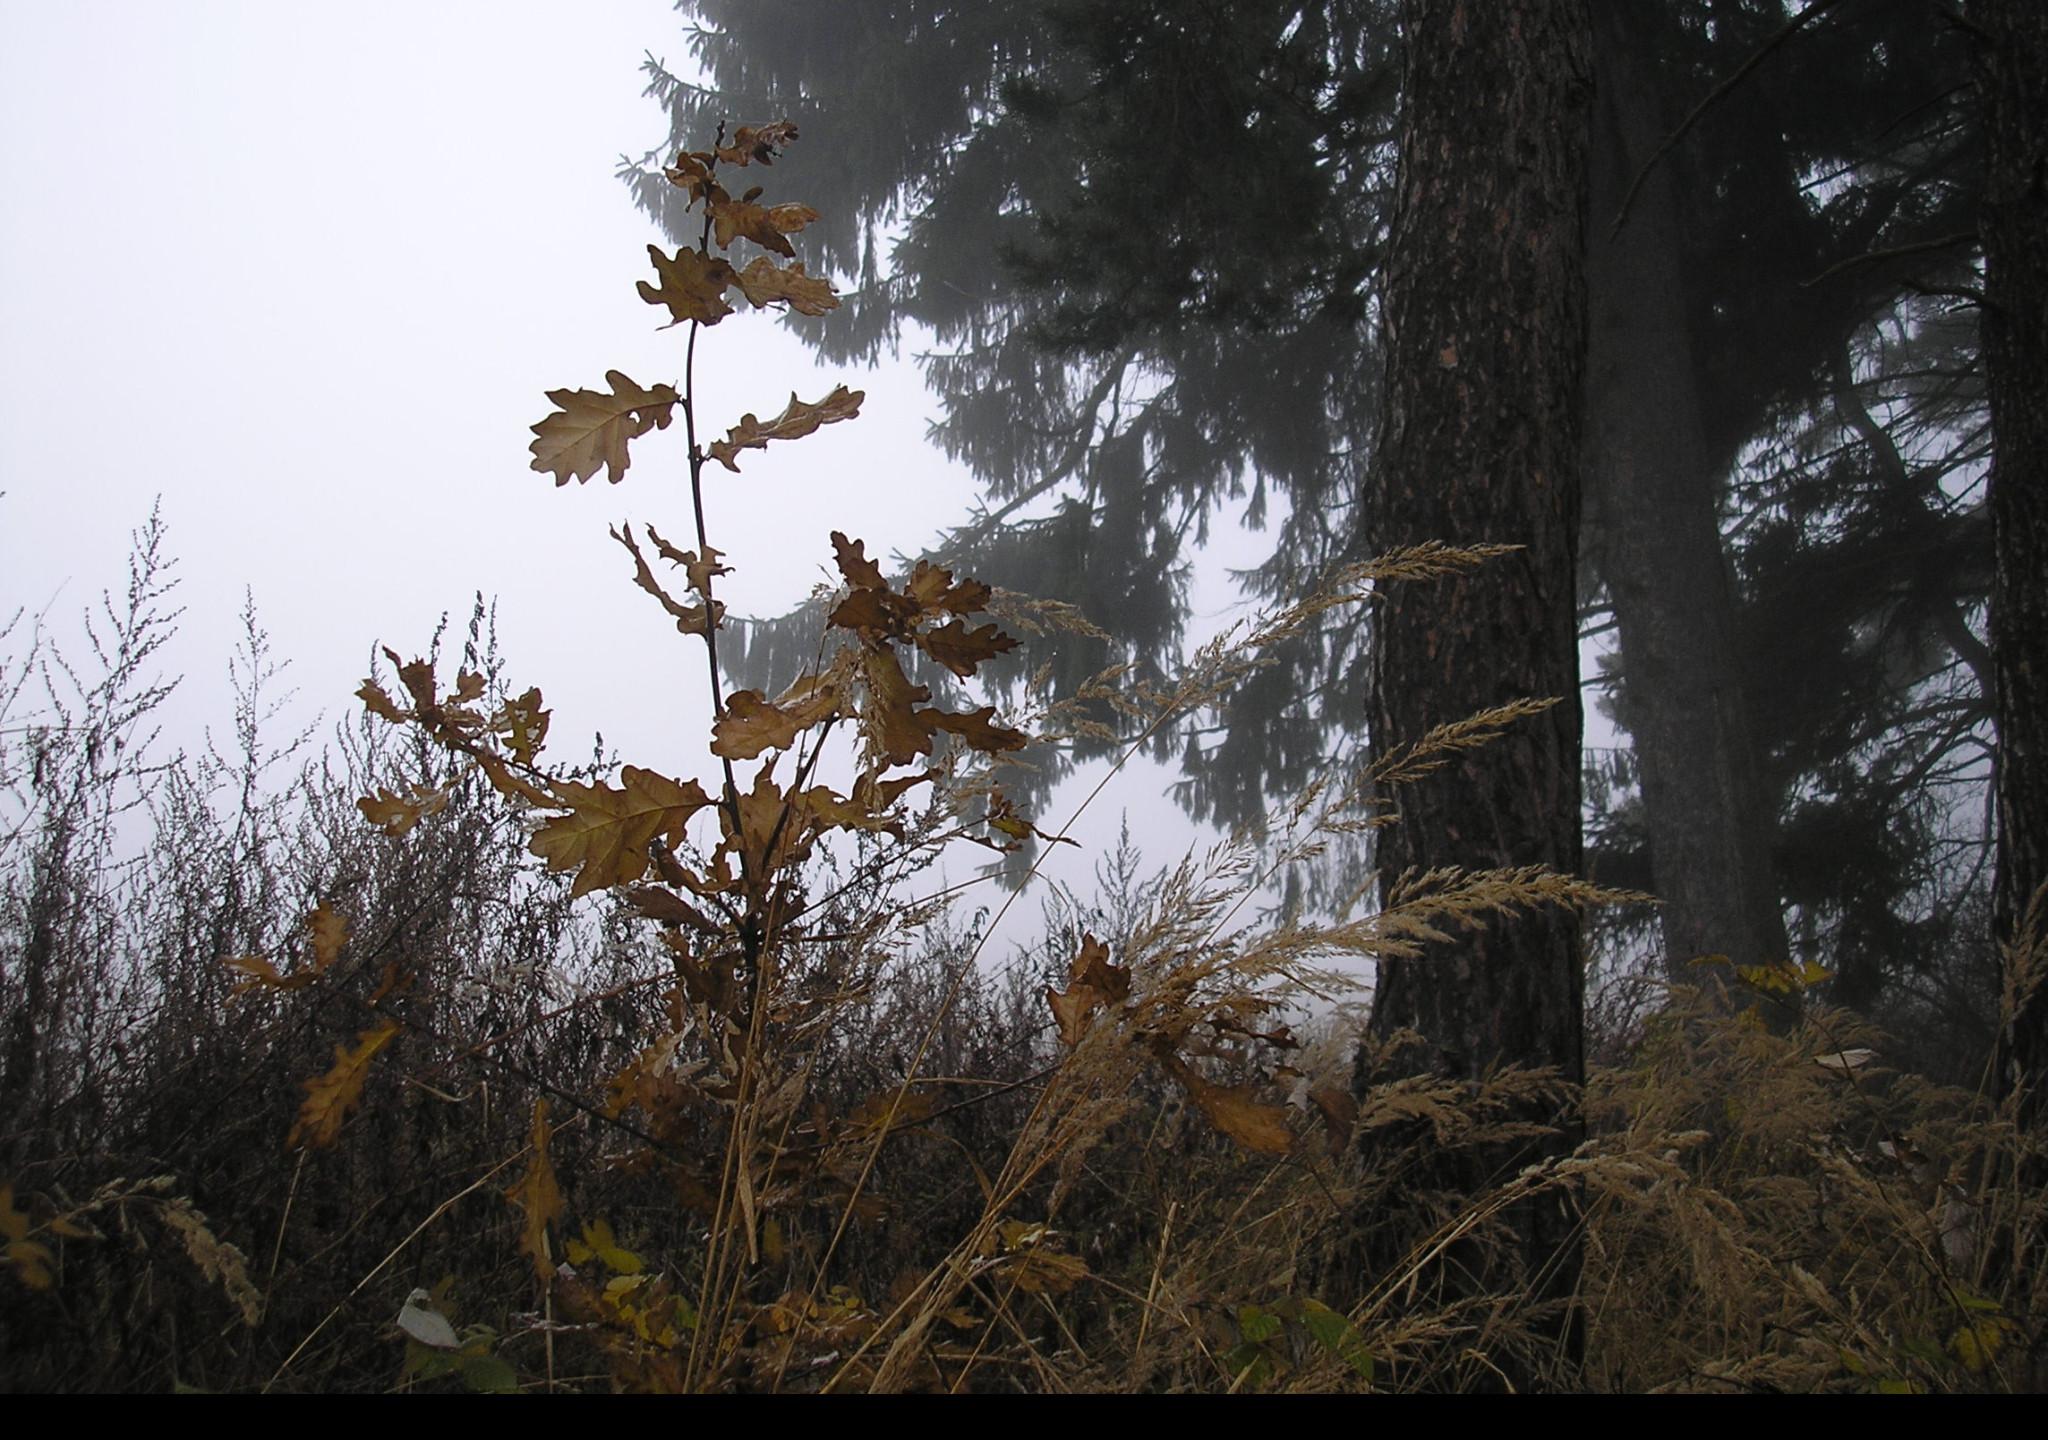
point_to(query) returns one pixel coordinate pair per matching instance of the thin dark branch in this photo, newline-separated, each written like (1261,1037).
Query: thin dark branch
(1871,257)
(1714,97)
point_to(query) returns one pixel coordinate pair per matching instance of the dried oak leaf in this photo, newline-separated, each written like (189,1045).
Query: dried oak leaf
(977,728)
(508,784)
(962,650)
(757,143)
(524,724)
(750,725)
(418,679)
(329,932)
(263,975)
(590,430)
(1092,982)
(669,908)
(692,285)
(1004,819)
(766,814)
(330,1097)
(860,572)
(380,704)
(764,225)
(1234,1109)
(894,726)
(874,614)
(395,814)
(691,171)
(797,420)
(934,589)
(605,836)
(538,1196)
(765,283)
(690,619)
(698,573)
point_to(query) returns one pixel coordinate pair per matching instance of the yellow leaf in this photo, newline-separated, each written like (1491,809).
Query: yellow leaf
(537,1195)
(262,975)
(590,430)
(692,285)
(14,1224)
(330,933)
(330,1097)
(797,420)
(765,283)
(606,834)
(31,1263)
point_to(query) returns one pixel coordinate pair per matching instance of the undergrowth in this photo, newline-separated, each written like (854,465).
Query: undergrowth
(422,1063)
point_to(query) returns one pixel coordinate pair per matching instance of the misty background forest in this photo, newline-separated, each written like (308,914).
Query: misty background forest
(1611,953)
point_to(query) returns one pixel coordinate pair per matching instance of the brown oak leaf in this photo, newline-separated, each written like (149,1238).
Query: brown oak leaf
(895,728)
(524,724)
(977,728)
(591,429)
(757,143)
(538,1196)
(766,225)
(690,619)
(605,836)
(691,171)
(395,814)
(698,573)
(750,725)
(765,283)
(933,588)
(1234,1109)
(860,572)
(962,650)
(874,614)
(692,285)
(798,419)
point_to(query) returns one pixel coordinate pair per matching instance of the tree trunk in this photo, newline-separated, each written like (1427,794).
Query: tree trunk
(2013,86)
(1484,321)
(1656,508)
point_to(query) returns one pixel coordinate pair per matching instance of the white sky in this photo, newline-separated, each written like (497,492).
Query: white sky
(304,271)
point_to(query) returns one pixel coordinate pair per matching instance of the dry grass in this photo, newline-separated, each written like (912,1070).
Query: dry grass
(902,1168)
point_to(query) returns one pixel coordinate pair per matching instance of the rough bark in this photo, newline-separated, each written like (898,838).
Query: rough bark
(2013,226)
(1484,336)
(1657,503)
(1483,318)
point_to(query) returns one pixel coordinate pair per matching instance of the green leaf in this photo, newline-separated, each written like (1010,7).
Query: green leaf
(1257,1324)
(486,1374)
